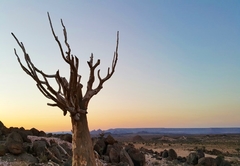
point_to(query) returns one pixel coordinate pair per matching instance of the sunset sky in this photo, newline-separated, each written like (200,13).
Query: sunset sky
(179,62)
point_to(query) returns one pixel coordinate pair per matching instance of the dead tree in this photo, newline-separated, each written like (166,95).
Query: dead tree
(68,95)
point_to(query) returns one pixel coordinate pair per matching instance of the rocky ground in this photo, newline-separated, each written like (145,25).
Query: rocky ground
(21,147)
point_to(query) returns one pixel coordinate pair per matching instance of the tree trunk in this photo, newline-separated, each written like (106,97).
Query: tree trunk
(82,148)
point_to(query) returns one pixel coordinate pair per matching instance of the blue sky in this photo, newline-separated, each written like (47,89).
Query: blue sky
(179,62)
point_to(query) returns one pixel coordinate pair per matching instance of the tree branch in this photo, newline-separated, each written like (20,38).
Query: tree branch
(90,91)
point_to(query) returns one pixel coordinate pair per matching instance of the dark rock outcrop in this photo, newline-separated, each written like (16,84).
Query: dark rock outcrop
(125,158)
(164,154)
(110,140)
(172,155)
(14,143)
(206,161)
(137,157)
(2,150)
(67,137)
(100,147)
(114,156)
(192,158)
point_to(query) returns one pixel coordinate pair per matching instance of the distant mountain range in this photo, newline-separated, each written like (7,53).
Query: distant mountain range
(168,131)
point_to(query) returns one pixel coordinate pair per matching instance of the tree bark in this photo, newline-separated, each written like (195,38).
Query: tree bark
(82,148)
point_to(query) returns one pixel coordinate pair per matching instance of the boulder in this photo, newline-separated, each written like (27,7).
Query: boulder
(24,135)
(181,159)
(216,152)
(100,147)
(125,158)
(42,134)
(68,149)
(164,154)
(15,148)
(225,163)
(206,161)
(150,151)
(200,153)
(219,159)
(114,156)
(14,143)
(27,158)
(106,158)
(14,136)
(68,162)
(2,150)
(39,147)
(110,140)
(67,137)
(137,157)
(34,131)
(192,158)
(2,126)
(172,155)
(55,154)
(3,129)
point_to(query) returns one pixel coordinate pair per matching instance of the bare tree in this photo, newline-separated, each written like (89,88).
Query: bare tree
(68,95)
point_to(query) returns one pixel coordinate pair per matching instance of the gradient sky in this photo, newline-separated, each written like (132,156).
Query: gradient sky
(179,62)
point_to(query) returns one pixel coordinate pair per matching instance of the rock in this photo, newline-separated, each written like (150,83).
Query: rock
(49,134)
(39,147)
(24,135)
(109,147)
(15,148)
(172,155)
(181,159)
(219,159)
(1,125)
(14,143)
(200,153)
(125,158)
(2,150)
(100,147)
(14,136)
(42,134)
(27,158)
(110,140)
(55,154)
(150,151)
(225,163)
(34,131)
(114,156)
(216,152)
(122,164)
(67,137)
(165,154)
(67,148)
(68,162)
(206,161)
(2,129)
(192,158)
(28,132)
(106,158)
(137,157)
(137,138)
